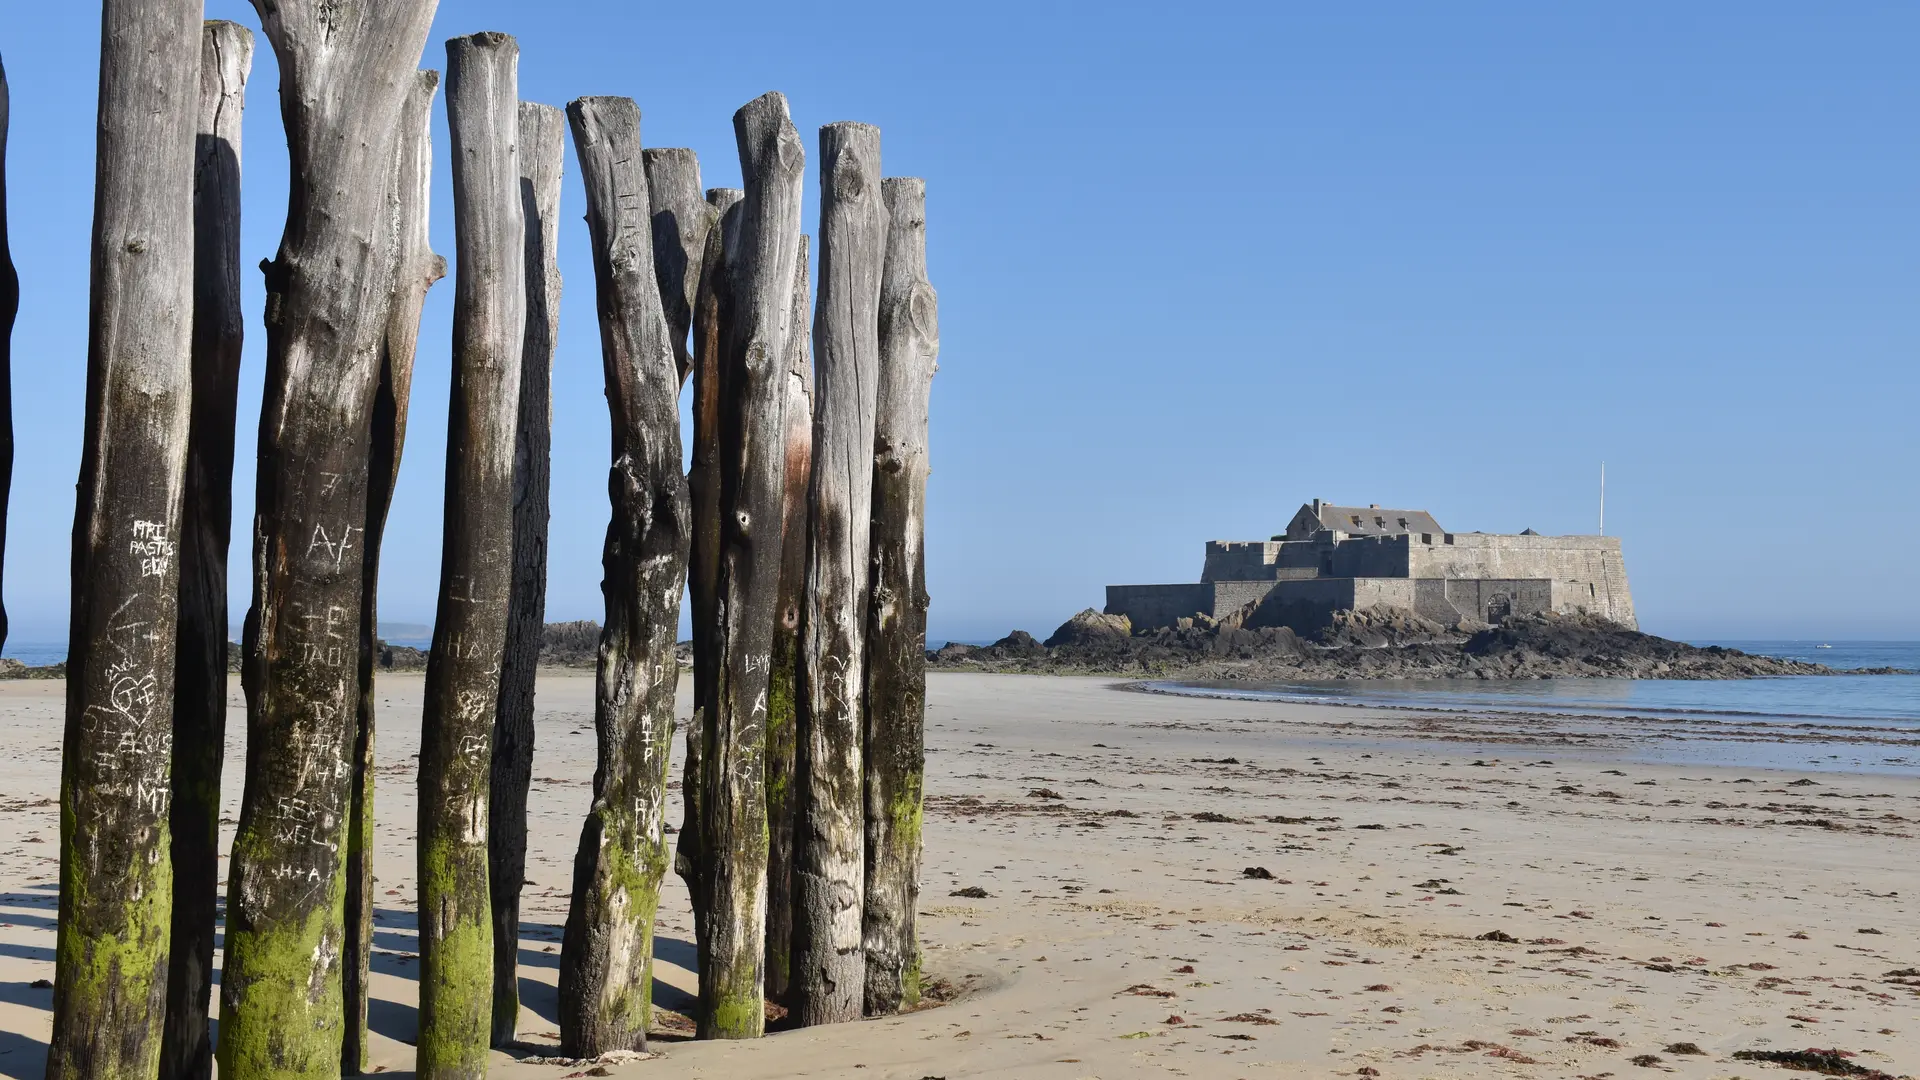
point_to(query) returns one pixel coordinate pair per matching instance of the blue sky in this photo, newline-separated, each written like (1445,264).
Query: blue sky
(1196,267)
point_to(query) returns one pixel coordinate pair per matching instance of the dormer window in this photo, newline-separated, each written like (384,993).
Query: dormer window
(1355,518)
(1379,523)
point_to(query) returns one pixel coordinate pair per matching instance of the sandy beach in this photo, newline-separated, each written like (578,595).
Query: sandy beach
(1218,888)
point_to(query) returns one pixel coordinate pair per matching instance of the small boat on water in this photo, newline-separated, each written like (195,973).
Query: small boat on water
(1823,646)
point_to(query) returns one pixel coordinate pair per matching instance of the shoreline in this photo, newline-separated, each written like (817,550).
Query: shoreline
(1615,734)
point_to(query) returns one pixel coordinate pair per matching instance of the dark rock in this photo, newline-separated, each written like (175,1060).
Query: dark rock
(1092,630)
(570,644)
(1019,644)
(951,652)
(1379,626)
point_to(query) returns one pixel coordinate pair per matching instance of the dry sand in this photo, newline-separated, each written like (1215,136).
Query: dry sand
(1734,909)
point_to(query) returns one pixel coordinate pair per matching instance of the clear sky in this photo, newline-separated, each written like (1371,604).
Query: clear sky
(1197,266)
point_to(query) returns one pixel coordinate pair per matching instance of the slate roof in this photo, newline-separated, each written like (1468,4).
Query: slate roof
(1359,521)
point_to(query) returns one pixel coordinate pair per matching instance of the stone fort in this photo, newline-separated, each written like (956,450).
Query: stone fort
(1335,558)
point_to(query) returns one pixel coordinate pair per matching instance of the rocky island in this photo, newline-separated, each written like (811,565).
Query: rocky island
(1377,643)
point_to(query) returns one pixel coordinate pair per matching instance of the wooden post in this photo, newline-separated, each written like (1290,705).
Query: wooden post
(897,609)
(206,519)
(752,475)
(606,960)
(415,269)
(476,562)
(345,77)
(681,221)
(703,561)
(9,308)
(782,718)
(110,982)
(543,154)
(829,968)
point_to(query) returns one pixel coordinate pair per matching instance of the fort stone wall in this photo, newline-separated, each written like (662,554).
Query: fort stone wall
(1450,600)
(1593,565)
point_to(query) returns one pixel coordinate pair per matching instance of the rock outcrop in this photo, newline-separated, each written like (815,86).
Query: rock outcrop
(1377,643)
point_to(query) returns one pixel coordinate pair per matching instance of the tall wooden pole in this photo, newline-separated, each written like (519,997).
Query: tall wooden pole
(782,717)
(681,221)
(9,308)
(752,475)
(476,563)
(109,998)
(829,968)
(711,313)
(897,611)
(345,76)
(206,520)
(606,959)
(543,154)
(415,269)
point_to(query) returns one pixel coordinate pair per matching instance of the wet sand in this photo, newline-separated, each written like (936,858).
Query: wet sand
(1112,832)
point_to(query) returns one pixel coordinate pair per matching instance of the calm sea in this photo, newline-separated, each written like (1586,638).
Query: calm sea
(1872,721)
(1893,699)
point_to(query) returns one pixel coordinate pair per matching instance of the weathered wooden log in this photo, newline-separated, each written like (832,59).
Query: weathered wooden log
(703,560)
(206,519)
(9,308)
(477,559)
(606,959)
(681,221)
(110,983)
(543,154)
(415,269)
(895,757)
(829,968)
(752,475)
(782,718)
(346,74)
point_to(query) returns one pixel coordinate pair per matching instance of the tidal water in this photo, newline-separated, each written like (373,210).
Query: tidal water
(1848,722)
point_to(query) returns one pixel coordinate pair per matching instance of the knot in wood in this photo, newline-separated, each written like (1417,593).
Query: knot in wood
(849,176)
(787,150)
(923,308)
